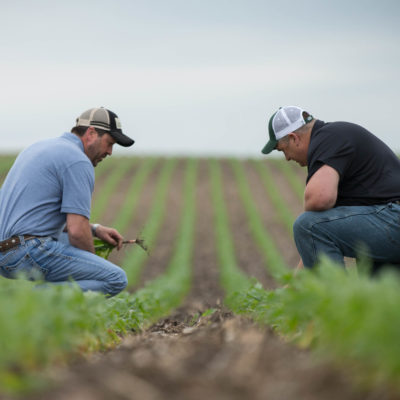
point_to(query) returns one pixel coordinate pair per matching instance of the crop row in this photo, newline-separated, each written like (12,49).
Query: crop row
(61,321)
(344,314)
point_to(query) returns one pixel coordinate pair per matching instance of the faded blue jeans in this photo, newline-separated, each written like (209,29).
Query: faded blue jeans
(356,231)
(58,262)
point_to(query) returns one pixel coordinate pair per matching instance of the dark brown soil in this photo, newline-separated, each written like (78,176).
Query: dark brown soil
(220,356)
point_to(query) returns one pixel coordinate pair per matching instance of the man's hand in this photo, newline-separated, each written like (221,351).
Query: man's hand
(109,235)
(321,190)
(300,266)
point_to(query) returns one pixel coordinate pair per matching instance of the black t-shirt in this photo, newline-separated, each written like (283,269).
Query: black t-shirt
(369,170)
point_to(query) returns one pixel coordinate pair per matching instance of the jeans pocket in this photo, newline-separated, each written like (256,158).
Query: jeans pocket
(24,267)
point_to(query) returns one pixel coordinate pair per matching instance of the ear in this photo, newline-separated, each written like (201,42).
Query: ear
(89,136)
(91,131)
(295,137)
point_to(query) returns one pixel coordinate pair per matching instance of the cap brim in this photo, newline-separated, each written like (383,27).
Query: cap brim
(271,145)
(122,139)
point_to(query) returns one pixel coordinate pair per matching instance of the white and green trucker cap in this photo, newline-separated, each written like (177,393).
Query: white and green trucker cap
(284,121)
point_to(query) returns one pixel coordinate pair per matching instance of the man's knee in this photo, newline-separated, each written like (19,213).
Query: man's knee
(117,283)
(302,225)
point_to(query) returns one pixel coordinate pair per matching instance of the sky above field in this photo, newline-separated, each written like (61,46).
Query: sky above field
(197,77)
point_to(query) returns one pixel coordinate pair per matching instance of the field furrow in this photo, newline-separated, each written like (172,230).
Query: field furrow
(247,253)
(206,291)
(221,257)
(162,241)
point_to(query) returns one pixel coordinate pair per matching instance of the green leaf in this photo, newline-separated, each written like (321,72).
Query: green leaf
(102,248)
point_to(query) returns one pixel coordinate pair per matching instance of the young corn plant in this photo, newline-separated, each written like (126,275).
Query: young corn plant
(274,261)
(232,278)
(135,257)
(271,190)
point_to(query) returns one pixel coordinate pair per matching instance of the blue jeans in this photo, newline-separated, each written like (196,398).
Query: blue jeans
(58,262)
(356,231)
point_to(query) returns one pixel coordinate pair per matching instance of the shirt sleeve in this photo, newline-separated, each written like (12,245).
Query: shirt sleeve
(333,149)
(77,186)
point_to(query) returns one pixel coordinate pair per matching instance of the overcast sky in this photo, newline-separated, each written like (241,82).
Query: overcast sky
(197,77)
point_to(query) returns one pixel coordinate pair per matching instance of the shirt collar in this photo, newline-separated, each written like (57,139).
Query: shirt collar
(74,139)
(318,125)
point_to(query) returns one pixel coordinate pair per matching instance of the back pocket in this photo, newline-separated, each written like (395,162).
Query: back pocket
(25,268)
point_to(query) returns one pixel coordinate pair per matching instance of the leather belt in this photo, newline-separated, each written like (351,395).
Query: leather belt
(14,241)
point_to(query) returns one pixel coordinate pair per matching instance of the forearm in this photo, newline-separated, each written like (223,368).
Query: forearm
(318,204)
(82,240)
(79,232)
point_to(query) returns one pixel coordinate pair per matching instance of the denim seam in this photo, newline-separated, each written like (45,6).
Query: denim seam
(335,219)
(71,258)
(26,256)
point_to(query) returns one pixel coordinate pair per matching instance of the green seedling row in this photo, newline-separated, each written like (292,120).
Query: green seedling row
(114,178)
(59,321)
(104,167)
(128,207)
(232,278)
(41,326)
(135,257)
(339,314)
(166,292)
(288,170)
(274,261)
(283,212)
(6,162)
(343,316)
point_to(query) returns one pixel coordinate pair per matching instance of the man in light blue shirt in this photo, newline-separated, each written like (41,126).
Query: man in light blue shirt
(48,190)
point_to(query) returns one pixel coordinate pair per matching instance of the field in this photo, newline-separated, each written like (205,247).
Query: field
(213,311)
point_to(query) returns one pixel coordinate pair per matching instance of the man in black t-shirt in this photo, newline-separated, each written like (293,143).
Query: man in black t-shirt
(352,193)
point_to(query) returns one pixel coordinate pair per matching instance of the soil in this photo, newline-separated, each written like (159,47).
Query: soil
(218,356)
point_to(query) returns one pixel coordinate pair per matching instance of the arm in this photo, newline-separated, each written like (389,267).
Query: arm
(79,232)
(321,190)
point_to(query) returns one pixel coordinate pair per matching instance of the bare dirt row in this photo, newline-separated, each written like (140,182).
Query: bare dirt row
(219,356)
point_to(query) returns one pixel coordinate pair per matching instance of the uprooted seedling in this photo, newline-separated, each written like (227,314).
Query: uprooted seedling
(103,249)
